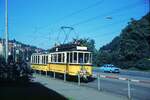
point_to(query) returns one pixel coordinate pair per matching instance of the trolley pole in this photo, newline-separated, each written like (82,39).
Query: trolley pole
(6,31)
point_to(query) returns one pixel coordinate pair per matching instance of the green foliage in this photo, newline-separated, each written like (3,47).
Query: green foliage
(130,48)
(143,64)
(14,71)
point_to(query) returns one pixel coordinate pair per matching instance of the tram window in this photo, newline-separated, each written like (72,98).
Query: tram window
(90,58)
(67,57)
(42,59)
(62,57)
(35,59)
(75,57)
(46,59)
(32,59)
(59,57)
(70,57)
(38,59)
(52,58)
(80,58)
(55,57)
(86,58)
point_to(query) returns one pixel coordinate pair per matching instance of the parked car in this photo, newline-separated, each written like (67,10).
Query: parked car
(109,68)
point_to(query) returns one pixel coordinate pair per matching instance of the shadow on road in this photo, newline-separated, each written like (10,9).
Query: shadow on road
(27,91)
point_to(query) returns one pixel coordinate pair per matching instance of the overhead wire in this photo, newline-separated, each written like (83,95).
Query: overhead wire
(108,13)
(75,12)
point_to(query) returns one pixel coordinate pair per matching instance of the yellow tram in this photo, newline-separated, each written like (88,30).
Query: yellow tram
(69,59)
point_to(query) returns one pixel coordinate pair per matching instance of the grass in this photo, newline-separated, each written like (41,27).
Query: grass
(137,69)
(71,98)
(94,67)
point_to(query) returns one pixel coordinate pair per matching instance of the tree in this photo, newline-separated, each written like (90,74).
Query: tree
(131,48)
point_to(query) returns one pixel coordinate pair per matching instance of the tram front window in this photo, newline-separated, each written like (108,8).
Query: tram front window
(86,58)
(80,58)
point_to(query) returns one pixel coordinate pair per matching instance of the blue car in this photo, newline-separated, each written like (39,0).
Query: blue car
(109,68)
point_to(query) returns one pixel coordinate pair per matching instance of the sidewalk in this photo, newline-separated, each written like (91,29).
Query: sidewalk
(75,92)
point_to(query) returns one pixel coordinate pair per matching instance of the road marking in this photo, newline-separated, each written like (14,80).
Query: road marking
(121,78)
(126,89)
(133,80)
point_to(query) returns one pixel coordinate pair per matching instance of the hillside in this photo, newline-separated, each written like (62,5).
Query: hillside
(22,50)
(131,48)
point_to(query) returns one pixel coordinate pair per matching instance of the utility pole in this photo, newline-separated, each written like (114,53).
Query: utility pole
(6,31)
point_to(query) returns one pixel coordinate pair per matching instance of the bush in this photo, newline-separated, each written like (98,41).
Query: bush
(143,64)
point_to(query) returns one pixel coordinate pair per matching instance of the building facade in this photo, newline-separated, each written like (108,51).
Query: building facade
(1,49)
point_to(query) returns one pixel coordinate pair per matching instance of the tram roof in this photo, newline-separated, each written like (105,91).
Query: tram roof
(68,47)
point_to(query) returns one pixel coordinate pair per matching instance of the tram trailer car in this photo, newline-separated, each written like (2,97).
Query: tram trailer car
(72,60)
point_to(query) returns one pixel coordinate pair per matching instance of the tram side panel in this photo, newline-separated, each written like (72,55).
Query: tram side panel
(74,69)
(59,68)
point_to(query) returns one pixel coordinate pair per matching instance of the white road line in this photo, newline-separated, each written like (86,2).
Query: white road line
(133,80)
(121,78)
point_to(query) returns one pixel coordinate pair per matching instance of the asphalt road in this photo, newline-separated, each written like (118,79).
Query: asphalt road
(138,91)
(135,73)
(131,73)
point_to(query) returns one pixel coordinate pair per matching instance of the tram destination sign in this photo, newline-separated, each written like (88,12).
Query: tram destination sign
(81,48)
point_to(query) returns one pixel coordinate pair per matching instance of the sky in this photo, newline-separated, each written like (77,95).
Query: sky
(39,22)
